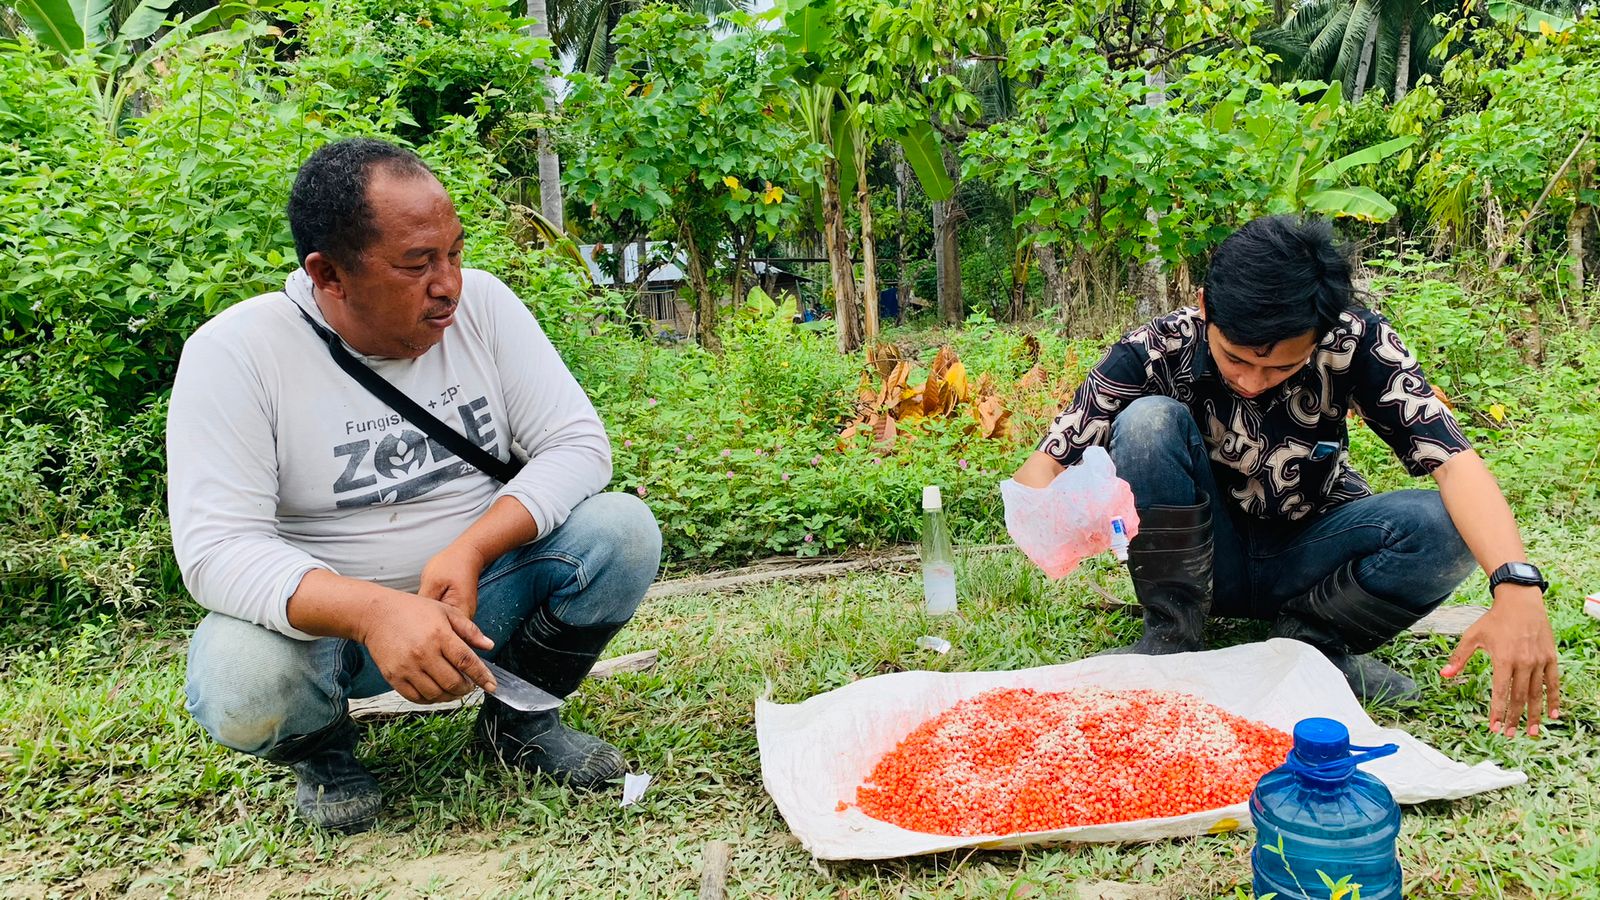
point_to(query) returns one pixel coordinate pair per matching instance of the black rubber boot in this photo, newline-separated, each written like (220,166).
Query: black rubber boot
(1170,561)
(555,656)
(335,791)
(1339,617)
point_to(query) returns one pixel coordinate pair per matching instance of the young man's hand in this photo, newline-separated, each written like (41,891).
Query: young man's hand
(1516,635)
(424,648)
(451,577)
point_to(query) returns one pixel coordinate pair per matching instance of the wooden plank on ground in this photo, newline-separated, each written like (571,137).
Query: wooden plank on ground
(715,860)
(785,569)
(391,704)
(1452,621)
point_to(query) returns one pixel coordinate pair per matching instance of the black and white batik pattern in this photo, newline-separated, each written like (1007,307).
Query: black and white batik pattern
(1263,449)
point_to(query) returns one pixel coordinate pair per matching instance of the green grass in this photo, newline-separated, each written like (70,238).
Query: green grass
(110,789)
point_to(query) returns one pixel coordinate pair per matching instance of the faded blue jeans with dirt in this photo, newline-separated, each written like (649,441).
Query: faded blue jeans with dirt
(1406,549)
(252,688)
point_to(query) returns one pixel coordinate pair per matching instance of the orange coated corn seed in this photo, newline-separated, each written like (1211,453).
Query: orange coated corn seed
(1020,760)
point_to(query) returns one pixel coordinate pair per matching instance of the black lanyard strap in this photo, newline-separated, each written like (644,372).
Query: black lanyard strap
(456,442)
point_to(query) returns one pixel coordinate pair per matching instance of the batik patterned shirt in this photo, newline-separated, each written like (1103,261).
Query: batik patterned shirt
(1265,450)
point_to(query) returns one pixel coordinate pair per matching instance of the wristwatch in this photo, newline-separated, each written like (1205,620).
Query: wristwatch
(1518,573)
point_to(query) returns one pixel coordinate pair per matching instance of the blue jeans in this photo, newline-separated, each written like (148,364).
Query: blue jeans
(1404,546)
(252,688)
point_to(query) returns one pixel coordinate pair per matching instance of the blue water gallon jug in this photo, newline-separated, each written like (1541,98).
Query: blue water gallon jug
(1318,815)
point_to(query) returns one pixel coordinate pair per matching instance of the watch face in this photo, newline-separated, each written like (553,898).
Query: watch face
(1523,571)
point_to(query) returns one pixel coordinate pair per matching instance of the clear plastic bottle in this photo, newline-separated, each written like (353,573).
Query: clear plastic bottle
(938,558)
(1318,813)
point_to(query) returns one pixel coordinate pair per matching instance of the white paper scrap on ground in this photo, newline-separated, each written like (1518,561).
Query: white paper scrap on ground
(633,787)
(936,644)
(814,754)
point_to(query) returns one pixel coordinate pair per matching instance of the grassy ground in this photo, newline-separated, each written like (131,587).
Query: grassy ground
(109,789)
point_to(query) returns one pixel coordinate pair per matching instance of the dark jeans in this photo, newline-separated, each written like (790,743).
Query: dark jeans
(252,688)
(1406,549)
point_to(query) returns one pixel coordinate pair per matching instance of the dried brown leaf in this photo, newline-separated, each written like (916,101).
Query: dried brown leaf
(956,380)
(933,397)
(942,361)
(883,357)
(1033,378)
(1030,349)
(883,433)
(994,420)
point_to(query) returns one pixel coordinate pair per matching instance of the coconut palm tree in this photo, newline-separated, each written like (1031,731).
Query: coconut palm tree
(1381,45)
(582,29)
(1362,44)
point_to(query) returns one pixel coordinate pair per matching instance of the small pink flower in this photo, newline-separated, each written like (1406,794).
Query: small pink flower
(689,438)
(876,461)
(810,537)
(729,474)
(653,401)
(641,490)
(961,463)
(786,476)
(726,453)
(627,443)
(760,452)
(816,460)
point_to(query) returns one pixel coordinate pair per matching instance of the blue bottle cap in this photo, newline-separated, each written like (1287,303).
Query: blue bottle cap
(1321,740)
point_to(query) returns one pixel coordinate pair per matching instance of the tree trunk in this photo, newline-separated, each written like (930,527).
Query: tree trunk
(549,163)
(1152,292)
(1402,65)
(947,216)
(902,179)
(869,249)
(1577,224)
(705,305)
(1055,280)
(1021,261)
(846,309)
(1366,61)
(742,243)
(1575,227)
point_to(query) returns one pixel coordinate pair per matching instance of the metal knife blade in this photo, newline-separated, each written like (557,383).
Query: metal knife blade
(519,694)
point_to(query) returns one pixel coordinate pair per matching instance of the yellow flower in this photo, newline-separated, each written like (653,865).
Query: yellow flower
(773,194)
(731,182)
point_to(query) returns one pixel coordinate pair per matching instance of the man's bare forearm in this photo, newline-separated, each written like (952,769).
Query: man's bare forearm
(1040,469)
(1482,516)
(504,526)
(332,605)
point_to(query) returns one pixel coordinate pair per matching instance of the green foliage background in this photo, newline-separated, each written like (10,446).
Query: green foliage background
(120,238)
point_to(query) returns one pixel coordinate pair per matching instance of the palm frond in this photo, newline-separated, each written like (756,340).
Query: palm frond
(1311,19)
(1321,58)
(1386,54)
(1362,18)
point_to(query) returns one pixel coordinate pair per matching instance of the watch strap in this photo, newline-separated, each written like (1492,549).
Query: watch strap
(1507,574)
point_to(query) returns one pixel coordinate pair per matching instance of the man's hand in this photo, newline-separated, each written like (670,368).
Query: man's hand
(423,647)
(451,577)
(1516,634)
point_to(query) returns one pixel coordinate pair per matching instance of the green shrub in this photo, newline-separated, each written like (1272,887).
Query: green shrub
(120,246)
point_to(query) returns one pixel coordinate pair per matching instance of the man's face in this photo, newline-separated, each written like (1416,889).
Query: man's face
(1252,371)
(402,294)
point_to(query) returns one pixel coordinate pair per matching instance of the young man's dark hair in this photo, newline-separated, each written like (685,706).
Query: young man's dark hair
(328,209)
(1277,278)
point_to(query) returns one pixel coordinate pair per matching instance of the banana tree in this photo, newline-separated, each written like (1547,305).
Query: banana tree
(1293,142)
(859,87)
(78,27)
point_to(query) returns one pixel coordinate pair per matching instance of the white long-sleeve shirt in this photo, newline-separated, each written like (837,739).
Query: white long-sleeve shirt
(280,463)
